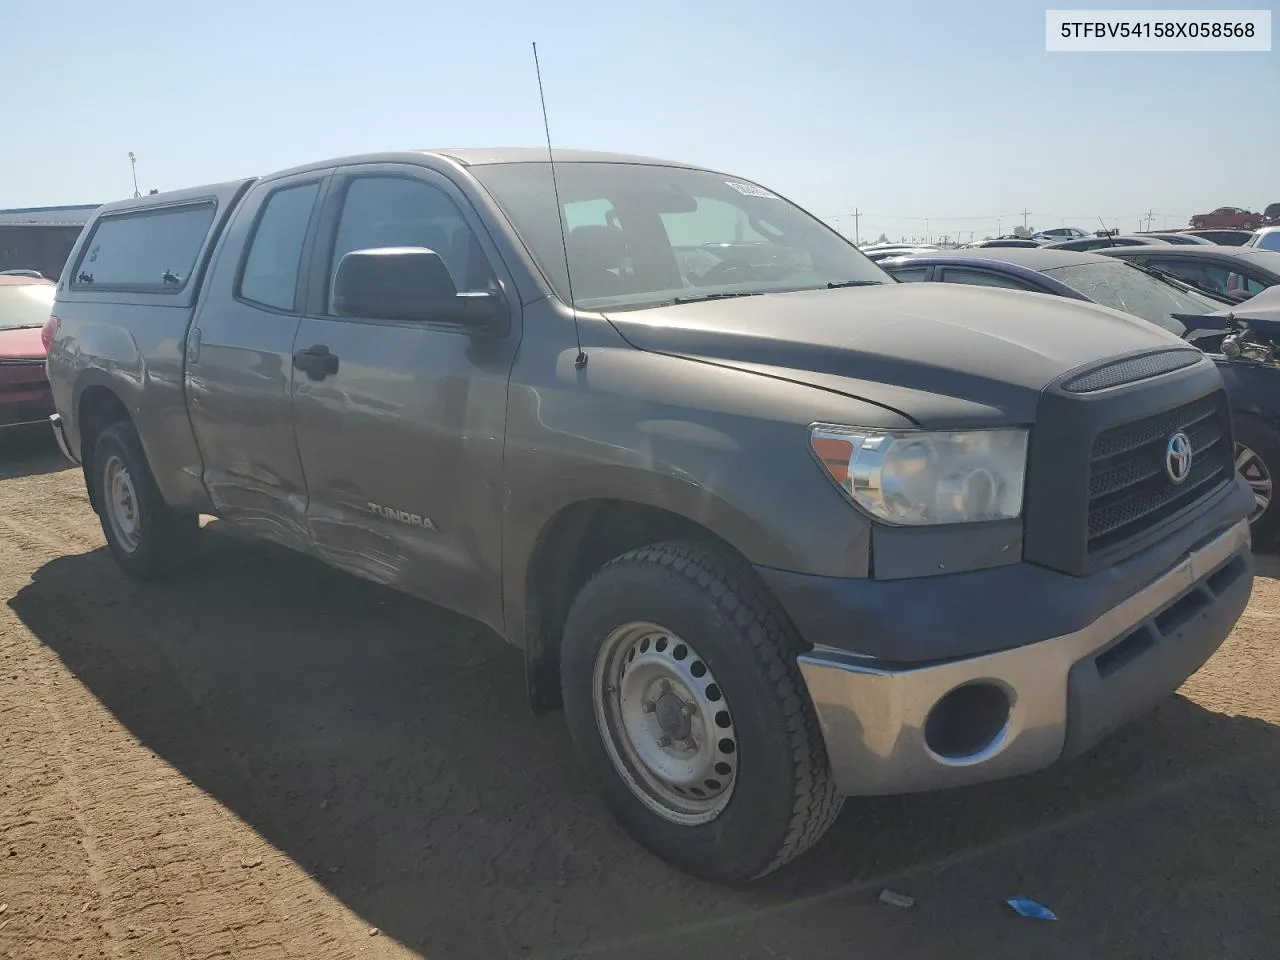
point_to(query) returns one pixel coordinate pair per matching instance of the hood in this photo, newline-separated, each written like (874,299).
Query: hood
(938,353)
(1261,306)
(21,343)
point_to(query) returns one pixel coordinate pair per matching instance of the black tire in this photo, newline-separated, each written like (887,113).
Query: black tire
(166,541)
(1262,440)
(783,798)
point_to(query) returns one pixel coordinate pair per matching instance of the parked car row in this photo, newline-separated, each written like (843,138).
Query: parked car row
(1073,238)
(1169,285)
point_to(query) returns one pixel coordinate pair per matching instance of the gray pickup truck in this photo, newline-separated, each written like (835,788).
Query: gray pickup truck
(773,528)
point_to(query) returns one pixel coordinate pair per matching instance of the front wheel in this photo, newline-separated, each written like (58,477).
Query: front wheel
(149,539)
(1258,461)
(684,699)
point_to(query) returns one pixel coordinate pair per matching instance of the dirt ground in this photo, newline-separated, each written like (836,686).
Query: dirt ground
(274,760)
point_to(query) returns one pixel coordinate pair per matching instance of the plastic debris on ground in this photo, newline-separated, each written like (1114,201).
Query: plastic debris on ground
(896,899)
(1026,907)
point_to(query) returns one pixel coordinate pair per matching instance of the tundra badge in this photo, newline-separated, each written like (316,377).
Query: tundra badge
(403,516)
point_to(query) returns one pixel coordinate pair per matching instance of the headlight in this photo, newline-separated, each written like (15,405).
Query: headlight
(918,477)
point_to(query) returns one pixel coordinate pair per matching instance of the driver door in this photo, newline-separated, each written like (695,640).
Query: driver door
(401,432)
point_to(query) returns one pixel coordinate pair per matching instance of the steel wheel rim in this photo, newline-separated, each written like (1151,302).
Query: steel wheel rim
(665,723)
(1250,466)
(121,504)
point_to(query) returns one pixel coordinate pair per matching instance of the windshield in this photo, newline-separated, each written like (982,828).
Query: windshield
(25,304)
(640,235)
(1123,287)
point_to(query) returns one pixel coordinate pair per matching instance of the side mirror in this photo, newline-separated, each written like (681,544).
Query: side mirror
(413,284)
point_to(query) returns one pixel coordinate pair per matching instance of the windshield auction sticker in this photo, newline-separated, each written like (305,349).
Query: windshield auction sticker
(750,189)
(1168,31)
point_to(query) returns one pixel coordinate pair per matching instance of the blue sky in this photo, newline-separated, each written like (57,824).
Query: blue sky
(943,110)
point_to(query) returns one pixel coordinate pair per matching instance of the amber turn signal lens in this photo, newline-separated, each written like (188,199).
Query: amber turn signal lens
(835,455)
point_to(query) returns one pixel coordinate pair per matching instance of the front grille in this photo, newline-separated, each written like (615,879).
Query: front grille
(1129,487)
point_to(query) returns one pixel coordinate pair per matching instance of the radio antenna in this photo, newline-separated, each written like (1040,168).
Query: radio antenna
(1111,241)
(580,360)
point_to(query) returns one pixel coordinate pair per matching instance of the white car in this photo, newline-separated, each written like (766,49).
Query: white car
(886,250)
(1059,233)
(1266,238)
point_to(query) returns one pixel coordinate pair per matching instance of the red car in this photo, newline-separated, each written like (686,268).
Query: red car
(25,305)
(1228,218)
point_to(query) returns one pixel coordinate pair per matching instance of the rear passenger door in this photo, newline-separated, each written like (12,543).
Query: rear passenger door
(401,435)
(240,361)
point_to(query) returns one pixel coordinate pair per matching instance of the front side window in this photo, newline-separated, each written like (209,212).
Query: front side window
(1254,281)
(1121,286)
(270,274)
(982,278)
(1267,241)
(153,249)
(1212,275)
(641,235)
(401,212)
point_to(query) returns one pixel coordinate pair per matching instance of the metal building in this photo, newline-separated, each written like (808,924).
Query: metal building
(41,238)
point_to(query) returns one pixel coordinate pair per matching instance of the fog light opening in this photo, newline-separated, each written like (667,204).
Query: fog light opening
(967,720)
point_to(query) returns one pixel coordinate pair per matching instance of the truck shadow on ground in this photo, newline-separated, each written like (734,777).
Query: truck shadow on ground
(385,746)
(30,453)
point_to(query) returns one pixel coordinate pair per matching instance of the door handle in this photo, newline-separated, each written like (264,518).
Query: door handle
(316,362)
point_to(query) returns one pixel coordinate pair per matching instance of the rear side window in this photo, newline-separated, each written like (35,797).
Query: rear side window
(151,250)
(909,274)
(270,275)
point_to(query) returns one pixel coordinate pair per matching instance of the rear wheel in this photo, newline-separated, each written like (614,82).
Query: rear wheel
(685,701)
(149,540)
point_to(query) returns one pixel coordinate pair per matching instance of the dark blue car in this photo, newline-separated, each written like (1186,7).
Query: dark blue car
(1252,376)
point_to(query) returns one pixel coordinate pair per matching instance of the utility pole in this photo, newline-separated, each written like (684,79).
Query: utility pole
(1025,213)
(1151,218)
(926,230)
(856,236)
(133,162)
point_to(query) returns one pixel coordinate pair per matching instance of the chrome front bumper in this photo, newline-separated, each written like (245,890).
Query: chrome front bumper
(1063,693)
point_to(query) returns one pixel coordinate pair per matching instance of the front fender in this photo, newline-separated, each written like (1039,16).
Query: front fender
(723,448)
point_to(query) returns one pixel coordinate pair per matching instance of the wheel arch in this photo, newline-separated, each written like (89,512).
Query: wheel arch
(575,542)
(98,406)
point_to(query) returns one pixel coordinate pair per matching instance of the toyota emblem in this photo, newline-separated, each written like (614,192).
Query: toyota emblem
(1177,457)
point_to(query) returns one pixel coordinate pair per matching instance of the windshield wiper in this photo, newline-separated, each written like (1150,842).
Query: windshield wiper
(759,293)
(1181,282)
(718,296)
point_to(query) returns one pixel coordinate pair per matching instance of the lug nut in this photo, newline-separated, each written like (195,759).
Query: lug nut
(664,741)
(648,706)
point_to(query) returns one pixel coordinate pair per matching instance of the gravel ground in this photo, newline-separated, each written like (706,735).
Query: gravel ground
(271,760)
